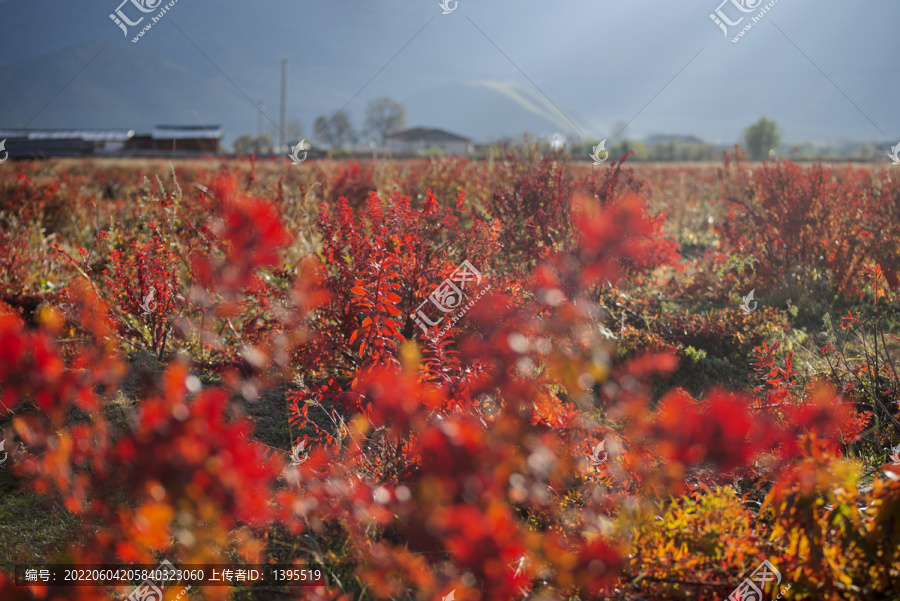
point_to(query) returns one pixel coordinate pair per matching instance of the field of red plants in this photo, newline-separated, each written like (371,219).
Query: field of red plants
(452,380)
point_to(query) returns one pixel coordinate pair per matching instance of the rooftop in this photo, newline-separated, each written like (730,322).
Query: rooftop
(180,132)
(667,138)
(426,133)
(88,135)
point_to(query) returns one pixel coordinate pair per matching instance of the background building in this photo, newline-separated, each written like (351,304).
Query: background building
(164,140)
(177,139)
(44,143)
(420,139)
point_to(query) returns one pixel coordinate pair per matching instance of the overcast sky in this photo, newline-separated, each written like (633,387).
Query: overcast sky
(823,71)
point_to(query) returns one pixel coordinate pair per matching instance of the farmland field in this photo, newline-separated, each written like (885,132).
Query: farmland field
(521,378)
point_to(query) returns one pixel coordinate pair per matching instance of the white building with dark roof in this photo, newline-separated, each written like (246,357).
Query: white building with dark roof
(163,140)
(44,143)
(419,139)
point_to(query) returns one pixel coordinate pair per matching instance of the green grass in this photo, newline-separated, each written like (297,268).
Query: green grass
(33,528)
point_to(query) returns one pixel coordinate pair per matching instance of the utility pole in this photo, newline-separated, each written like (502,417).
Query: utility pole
(284,64)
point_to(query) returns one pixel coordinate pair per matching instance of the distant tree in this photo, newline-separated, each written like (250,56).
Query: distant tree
(320,127)
(247,144)
(622,147)
(336,132)
(670,150)
(619,129)
(264,144)
(639,149)
(433,151)
(761,137)
(383,116)
(803,149)
(242,143)
(867,151)
(294,131)
(703,152)
(665,151)
(827,150)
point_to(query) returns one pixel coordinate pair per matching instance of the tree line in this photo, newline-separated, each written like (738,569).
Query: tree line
(381,117)
(385,115)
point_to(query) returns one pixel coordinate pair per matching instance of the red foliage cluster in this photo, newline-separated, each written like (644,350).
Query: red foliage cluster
(380,266)
(145,286)
(810,228)
(532,202)
(513,455)
(353,182)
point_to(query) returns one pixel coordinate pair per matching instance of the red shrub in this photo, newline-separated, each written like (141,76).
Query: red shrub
(513,455)
(353,182)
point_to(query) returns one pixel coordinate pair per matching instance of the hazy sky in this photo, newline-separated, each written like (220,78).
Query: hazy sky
(823,71)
